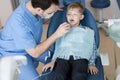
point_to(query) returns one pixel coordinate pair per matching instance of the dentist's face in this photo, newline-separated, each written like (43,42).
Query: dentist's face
(74,16)
(48,13)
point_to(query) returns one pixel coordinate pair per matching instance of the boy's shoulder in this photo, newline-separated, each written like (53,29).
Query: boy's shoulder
(88,28)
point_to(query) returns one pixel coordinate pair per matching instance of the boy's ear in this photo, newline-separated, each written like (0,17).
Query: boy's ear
(82,17)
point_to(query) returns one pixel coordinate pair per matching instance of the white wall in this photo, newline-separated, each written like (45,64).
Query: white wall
(112,11)
(5,10)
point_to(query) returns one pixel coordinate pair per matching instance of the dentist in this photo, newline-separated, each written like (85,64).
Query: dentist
(22,33)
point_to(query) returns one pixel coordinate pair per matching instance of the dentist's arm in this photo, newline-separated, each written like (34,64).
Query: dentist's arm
(42,47)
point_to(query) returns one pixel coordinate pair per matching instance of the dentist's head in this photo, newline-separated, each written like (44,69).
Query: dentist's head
(43,8)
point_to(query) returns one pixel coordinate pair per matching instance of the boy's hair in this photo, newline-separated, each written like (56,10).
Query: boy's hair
(43,4)
(76,5)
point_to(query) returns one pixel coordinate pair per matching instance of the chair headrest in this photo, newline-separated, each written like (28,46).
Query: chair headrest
(67,2)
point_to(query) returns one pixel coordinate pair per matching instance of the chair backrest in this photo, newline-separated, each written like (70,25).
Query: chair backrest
(60,17)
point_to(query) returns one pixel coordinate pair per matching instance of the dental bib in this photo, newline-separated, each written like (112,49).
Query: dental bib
(77,42)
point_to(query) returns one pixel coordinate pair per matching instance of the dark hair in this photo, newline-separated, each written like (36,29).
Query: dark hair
(76,5)
(43,4)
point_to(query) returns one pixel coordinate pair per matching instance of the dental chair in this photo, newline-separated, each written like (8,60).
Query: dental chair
(89,21)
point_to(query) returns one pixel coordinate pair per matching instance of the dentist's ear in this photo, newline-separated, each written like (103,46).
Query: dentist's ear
(39,10)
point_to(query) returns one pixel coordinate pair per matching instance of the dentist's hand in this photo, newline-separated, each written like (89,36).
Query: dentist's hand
(62,29)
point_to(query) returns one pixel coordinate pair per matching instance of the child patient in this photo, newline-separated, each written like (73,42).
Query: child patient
(75,52)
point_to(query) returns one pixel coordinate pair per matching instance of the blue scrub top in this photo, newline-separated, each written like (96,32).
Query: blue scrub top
(21,32)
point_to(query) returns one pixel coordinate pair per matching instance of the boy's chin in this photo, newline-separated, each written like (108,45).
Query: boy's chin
(72,24)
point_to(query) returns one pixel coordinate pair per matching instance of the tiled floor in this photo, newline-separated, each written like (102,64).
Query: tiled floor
(107,45)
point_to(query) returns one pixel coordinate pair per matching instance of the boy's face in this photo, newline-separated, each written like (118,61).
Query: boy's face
(74,16)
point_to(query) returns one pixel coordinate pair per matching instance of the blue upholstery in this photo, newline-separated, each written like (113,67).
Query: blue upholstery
(100,3)
(59,17)
(66,2)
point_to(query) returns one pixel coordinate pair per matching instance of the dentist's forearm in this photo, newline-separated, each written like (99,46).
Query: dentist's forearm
(42,47)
